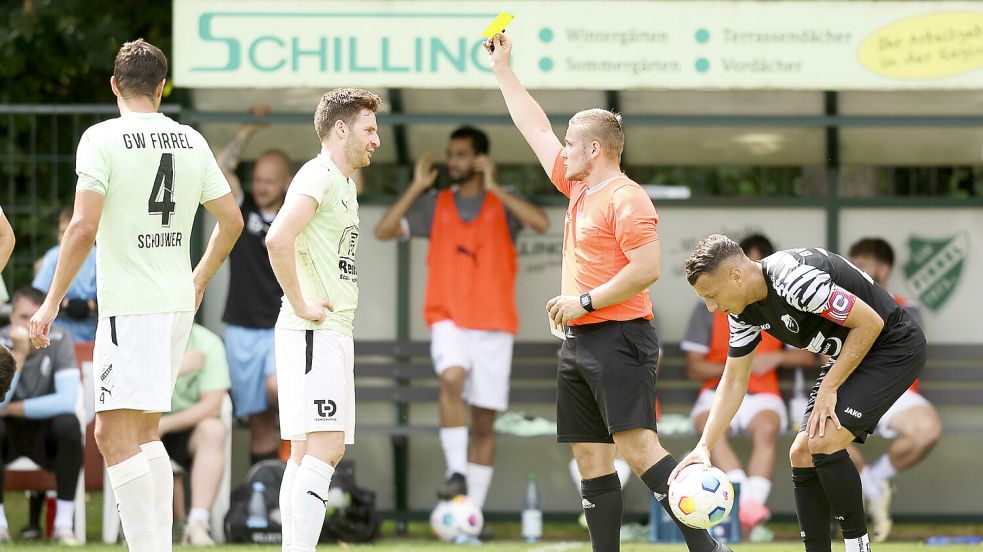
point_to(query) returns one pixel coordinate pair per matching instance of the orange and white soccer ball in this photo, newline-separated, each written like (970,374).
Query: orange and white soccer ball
(701,497)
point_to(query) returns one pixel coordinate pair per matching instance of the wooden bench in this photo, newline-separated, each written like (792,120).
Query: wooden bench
(401,374)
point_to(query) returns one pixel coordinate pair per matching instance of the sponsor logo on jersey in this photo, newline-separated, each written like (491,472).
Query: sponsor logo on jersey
(790,323)
(765,327)
(854,413)
(325,409)
(935,267)
(832,347)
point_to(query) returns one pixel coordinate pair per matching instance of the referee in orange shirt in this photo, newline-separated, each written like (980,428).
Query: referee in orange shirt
(606,376)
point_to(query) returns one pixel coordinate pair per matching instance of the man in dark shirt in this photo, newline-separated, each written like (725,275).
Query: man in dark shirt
(818,301)
(37,416)
(253,303)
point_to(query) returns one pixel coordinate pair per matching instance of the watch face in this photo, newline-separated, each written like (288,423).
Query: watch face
(584,301)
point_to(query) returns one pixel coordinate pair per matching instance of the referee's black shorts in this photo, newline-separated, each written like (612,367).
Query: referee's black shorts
(605,382)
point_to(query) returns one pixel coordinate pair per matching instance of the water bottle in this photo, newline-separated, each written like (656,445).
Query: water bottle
(258,518)
(532,513)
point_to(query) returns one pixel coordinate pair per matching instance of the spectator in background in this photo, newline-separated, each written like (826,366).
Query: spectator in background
(253,302)
(7,240)
(470,296)
(192,432)
(912,421)
(37,416)
(762,415)
(78,311)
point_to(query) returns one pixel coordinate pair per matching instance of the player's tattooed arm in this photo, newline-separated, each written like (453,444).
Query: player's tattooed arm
(228,159)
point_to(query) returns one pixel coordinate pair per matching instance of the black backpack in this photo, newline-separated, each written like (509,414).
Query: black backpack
(356,523)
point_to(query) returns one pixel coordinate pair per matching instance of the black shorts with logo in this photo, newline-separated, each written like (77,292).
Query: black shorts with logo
(885,373)
(605,381)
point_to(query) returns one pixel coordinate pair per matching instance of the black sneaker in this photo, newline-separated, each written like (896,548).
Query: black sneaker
(455,485)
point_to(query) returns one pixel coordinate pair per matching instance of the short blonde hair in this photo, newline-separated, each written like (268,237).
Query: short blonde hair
(343,104)
(602,126)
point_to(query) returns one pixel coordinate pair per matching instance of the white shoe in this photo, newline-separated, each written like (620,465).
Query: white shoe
(197,534)
(879,511)
(64,536)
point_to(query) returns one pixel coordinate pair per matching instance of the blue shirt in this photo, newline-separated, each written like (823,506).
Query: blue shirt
(83,287)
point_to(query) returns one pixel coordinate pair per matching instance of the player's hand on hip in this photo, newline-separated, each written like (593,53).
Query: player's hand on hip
(564,308)
(824,407)
(699,455)
(499,56)
(315,310)
(424,174)
(41,324)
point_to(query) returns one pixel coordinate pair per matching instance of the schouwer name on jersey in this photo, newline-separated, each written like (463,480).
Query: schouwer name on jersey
(160,239)
(156,140)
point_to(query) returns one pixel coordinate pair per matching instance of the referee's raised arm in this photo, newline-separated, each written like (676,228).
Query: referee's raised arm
(527,115)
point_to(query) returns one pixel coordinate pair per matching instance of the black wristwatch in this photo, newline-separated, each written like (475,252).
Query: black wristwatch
(586,302)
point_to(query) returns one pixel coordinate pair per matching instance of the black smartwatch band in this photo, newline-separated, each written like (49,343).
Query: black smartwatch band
(585,301)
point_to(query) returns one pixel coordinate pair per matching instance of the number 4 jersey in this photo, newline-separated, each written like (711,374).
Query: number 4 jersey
(153,173)
(810,295)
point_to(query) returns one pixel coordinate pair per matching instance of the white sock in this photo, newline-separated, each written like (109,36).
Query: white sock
(455,443)
(883,470)
(738,477)
(309,493)
(861,544)
(199,515)
(757,489)
(163,477)
(872,488)
(624,471)
(3,518)
(286,506)
(479,480)
(133,485)
(64,513)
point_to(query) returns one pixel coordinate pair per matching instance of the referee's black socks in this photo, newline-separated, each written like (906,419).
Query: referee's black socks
(841,482)
(657,480)
(603,508)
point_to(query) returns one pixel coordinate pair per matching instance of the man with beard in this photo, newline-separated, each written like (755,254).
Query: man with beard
(472,228)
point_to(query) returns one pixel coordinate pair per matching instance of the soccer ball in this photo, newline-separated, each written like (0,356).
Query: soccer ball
(701,497)
(458,516)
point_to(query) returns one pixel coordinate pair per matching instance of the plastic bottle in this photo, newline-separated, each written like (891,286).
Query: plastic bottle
(532,513)
(258,516)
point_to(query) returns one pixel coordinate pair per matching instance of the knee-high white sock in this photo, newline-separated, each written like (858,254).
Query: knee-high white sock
(455,443)
(163,478)
(739,477)
(64,514)
(309,494)
(624,471)
(756,488)
(133,486)
(286,506)
(883,470)
(479,480)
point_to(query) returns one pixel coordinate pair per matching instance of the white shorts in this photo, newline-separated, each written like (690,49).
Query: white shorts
(752,405)
(908,400)
(315,373)
(137,358)
(485,355)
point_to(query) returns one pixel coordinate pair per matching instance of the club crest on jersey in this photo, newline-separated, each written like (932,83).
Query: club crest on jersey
(935,267)
(839,305)
(790,323)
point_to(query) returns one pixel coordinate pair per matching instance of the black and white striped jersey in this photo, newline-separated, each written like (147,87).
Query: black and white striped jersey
(810,295)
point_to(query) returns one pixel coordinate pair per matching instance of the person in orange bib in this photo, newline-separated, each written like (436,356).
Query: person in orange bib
(762,415)
(912,421)
(470,296)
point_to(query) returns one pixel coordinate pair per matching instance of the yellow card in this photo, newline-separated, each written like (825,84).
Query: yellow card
(498,25)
